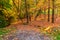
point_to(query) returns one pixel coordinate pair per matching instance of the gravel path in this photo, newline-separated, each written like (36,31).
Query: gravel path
(26,35)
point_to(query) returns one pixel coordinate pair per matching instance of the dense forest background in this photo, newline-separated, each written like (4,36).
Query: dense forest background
(29,10)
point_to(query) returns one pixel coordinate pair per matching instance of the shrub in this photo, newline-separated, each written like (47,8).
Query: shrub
(3,22)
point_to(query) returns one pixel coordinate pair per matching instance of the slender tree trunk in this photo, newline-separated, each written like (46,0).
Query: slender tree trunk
(19,6)
(38,14)
(48,10)
(29,13)
(44,9)
(18,9)
(26,11)
(53,11)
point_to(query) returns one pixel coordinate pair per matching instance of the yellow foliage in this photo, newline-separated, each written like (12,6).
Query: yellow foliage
(48,28)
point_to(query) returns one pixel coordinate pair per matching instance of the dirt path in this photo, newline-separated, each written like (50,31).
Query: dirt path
(27,35)
(29,32)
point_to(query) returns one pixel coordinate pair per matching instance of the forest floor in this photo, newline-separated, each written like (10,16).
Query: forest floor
(35,30)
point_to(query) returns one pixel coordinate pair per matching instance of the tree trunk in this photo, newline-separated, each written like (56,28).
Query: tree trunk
(48,10)
(26,11)
(53,12)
